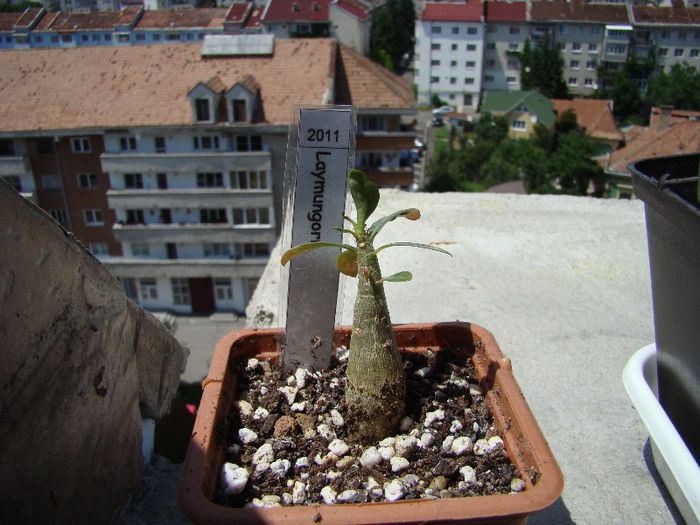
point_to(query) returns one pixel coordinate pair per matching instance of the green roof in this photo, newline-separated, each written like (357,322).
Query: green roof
(503,102)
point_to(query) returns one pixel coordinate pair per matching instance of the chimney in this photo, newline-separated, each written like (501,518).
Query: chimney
(665,116)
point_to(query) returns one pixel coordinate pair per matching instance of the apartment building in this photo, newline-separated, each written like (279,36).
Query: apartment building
(167,161)
(449,53)
(506,32)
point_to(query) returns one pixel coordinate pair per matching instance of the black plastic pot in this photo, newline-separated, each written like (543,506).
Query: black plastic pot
(668,187)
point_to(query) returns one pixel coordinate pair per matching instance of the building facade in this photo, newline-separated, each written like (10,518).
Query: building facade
(506,32)
(175,182)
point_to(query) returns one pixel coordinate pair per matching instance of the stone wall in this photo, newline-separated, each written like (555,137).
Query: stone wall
(79,365)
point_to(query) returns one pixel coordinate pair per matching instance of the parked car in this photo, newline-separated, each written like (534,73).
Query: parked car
(438,122)
(442,110)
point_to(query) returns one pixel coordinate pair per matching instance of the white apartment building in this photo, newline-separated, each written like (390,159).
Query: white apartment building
(506,32)
(449,52)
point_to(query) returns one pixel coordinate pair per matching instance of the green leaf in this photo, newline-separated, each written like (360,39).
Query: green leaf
(309,246)
(347,263)
(412,214)
(345,230)
(412,245)
(400,277)
(365,194)
(349,219)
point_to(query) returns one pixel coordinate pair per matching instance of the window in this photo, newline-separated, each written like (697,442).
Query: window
(455,30)
(572,81)
(682,35)
(38,39)
(511,80)
(435,47)
(696,35)
(492,29)
(66,38)
(223,289)
(172,36)
(472,30)
(576,47)
(133,181)
(81,145)
(513,46)
(181,291)
(453,47)
(434,80)
(122,37)
(590,65)
(108,38)
(595,30)
(148,289)
(253,249)
(140,249)
(616,49)
(7,147)
(60,216)
(84,38)
(51,182)
(87,181)
(436,30)
(251,216)
(93,217)
(156,37)
(489,78)
(95,38)
(54,39)
(13,181)
(468,80)
(99,248)
(127,143)
(491,62)
(249,143)
(239,110)
(453,80)
(249,180)
(678,52)
(694,53)
(471,47)
(453,63)
(201,106)
(434,62)
(665,34)
(190,36)
(574,64)
(212,216)
(513,63)
(140,37)
(518,124)
(160,144)
(563,30)
(216,249)
(514,30)
(372,123)
(134,217)
(210,180)
(663,51)
(470,64)
(206,142)
(588,82)
(592,48)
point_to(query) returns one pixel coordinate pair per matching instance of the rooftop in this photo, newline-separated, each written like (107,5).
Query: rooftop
(177,18)
(106,20)
(503,102)
(352,7)
(676,115)
(563,284)
(593,115)
(296,11)
(666,15)
(578,11)
(505,11)
(8,21)
(467,11)
(238,12)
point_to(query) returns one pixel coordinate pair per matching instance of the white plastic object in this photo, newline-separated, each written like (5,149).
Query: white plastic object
(672,458)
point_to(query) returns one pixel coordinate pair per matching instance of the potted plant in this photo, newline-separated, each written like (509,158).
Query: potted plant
(374,401)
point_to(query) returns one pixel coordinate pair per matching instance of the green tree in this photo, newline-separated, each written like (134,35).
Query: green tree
(542,68)
(679,88)
(491,128)
(391,34)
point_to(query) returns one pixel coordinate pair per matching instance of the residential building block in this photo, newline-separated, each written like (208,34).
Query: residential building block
(506,32)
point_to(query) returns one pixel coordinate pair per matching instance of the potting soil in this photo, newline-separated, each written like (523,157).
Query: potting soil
(288,432)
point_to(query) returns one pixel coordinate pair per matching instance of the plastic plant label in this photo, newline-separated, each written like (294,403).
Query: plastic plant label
(324,152)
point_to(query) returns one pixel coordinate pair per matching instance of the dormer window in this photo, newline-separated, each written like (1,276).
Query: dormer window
(239,110)
(203,114)
(242,100)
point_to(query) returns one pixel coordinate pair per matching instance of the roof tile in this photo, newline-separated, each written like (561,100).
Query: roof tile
(467,11)
(594,115)
(296,11)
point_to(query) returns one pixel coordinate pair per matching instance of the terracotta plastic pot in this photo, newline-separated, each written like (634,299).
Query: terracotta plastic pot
(523,439)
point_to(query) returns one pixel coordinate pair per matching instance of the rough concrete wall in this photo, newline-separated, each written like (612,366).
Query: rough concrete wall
(76,360)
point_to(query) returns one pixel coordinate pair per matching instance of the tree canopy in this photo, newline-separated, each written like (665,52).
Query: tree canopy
(679,88)
(542,68)
(392,34)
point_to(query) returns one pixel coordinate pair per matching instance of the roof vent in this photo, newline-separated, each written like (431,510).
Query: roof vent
(238,45)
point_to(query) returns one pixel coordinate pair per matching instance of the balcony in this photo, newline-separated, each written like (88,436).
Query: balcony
(188,198)
(385,140)
(16,165)
(385,176)
(212,161)
(187,268)
(196,232)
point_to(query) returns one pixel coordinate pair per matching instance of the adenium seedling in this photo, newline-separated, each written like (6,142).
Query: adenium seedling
(376,384)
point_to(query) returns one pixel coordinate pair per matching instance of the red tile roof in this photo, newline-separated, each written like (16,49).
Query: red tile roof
(595,116)
(353,8)
(8,20)
(578,11)
(237,12)
(296,11)
(68,22)
(505,11)
(183,18)
(468,11)
(666,15)
(28,16)
(677,115)
(253,21)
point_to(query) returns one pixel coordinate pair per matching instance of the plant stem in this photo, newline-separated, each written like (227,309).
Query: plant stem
(376,388)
